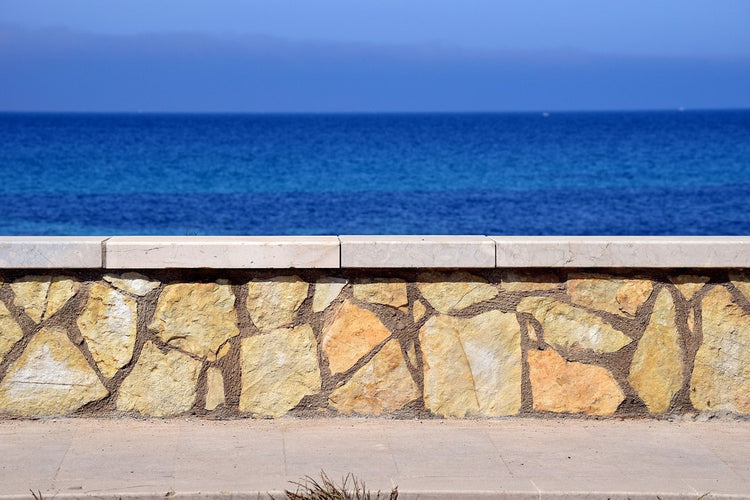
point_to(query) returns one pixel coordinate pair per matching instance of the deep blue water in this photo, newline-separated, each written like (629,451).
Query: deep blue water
(520,173)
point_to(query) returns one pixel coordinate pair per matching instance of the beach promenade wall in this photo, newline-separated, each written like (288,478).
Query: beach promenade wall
(376,326)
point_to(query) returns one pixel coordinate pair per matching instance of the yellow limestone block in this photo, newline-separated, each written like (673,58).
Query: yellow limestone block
(196,317)
(50,378)
(61,290)
(381,386)
(160,384)
(42,296)
(10,332)
(326,291)
(472,366)
(108,323)
(274,302)
(215,388)
(656,372)
(279,368)
(391,292)
(133,283)
(721,374)
(449,293)
(515,281)
(607,293)
(418,310)
(31,293)
(566,326)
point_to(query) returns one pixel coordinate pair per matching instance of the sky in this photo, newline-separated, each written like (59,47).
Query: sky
(373,55)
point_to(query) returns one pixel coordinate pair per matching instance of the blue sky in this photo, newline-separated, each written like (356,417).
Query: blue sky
(373,55)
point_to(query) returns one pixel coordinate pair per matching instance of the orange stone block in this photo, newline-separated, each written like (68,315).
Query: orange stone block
(353,333)
(563,386)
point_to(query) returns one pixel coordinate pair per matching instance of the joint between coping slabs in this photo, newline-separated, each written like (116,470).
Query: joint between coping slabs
(494,249)
(104,251)
(341,265)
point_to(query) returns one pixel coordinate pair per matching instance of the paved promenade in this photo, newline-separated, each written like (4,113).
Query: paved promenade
(518,458)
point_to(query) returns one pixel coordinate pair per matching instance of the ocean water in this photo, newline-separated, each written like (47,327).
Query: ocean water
(613,173)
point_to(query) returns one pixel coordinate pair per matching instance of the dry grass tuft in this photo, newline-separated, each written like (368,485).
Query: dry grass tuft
(326,489)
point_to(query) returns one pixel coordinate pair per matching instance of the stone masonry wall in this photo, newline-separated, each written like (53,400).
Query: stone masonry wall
(407,343)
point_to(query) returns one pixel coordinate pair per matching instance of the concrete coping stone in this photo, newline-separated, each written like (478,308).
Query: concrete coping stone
(221,252)
(377,251)
(623,251)
(432,251)
(49,252)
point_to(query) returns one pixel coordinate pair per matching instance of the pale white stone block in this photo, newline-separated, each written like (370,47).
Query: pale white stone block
(432,251)
(221,252)
(46,252)
(623,251)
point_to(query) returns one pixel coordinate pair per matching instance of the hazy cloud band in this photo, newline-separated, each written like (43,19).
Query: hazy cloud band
(61,70)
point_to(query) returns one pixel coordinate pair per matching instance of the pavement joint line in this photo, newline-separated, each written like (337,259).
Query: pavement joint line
(538,490)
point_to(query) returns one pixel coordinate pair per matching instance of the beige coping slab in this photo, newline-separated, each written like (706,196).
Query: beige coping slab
(51,251)
(377,251)
(221,252)
(417,251)
(622,251)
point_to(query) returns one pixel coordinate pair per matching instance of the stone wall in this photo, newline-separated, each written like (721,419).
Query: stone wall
(397,343)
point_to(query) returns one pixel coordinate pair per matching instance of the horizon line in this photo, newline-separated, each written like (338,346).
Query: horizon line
(679,109)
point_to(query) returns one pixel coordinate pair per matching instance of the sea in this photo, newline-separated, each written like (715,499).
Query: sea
(574,173)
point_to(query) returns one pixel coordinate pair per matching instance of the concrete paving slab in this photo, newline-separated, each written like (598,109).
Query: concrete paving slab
(20,446)
(338,450)
(146,454)
(439,459)
(252,453)
(423,452)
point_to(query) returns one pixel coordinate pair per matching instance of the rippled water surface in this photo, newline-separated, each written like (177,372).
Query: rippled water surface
(522,173)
